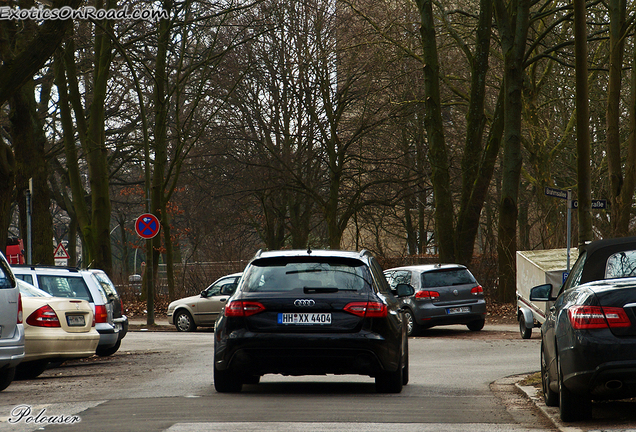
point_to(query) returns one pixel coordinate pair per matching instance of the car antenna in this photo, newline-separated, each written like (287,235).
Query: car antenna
(308,250)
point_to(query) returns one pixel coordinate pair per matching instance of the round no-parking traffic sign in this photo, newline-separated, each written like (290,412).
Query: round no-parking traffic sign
(147,226)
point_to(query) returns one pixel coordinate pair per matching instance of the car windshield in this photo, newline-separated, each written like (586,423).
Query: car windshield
(622,264)
(442,278)
(287,276)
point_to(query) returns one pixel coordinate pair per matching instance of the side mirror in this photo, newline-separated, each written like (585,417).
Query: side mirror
(542,293)
(204,293)
(404,290)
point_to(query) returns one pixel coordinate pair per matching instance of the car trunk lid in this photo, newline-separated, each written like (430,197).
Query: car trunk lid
(618,300)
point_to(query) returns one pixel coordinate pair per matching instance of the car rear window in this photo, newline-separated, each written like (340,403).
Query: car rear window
(280,275)
(442,278)
(65,286)
(621,264)
(106,284)
(25,277)
(6,277)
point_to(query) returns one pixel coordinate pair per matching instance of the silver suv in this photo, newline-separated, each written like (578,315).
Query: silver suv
(82,284)
(11,328)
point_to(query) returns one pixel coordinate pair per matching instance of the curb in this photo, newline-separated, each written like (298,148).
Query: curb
(551,413)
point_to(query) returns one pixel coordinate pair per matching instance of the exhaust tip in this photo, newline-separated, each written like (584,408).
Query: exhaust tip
(613,385)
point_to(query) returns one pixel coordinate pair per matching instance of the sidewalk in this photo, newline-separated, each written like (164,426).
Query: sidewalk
(140,323)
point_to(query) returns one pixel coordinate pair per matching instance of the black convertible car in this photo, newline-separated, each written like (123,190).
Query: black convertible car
(588,345)
(312,313)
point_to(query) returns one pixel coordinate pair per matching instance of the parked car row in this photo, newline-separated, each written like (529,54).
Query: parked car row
(84,285)
(52,314)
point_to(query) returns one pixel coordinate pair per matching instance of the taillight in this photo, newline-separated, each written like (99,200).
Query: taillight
(367,309)
(20,316)
(595,317)
(477,290)
(426,295)
(101,314)
(243,308)
(44,317)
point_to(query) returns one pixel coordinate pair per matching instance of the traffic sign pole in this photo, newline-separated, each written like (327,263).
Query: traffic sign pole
(569,227)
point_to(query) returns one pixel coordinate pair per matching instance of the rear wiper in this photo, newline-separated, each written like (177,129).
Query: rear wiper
(314,290)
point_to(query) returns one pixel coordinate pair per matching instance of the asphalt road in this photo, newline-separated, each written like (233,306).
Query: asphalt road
(460,381)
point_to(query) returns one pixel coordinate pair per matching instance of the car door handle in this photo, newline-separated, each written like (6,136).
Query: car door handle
(223,299)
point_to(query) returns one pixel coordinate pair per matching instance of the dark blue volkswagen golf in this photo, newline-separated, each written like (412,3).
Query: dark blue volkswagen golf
(312,313)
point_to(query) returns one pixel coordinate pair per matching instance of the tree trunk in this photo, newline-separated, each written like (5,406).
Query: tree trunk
(513,31)
(29,144)
(620,209)
(444,214)
(7,178)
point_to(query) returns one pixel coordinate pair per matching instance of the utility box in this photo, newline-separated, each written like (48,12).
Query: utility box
(538,267)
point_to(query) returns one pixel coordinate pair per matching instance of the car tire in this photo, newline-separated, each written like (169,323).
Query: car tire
(30,369)
(184,322)
(412,327)
(6,377)
(526,333)
(572,407)
(226,381)
(550,397)
(391,382)
(476,325)
(105,352)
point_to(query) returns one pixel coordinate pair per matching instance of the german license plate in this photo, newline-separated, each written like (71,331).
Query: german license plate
(304,318)
(458,310)
(75,320)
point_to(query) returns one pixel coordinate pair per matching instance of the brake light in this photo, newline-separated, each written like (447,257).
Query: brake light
(596,317)
(43,317)
(101,314)
(367,309)
(20,316)
(243,308)
(426,295)
(477,290)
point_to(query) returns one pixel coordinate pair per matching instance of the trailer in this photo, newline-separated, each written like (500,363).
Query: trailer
(538,267)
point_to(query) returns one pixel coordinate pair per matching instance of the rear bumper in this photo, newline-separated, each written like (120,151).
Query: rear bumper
(430,315)
(363,353)
(12,349)
(108,335)
(599,365)
(121,324)
(48,344)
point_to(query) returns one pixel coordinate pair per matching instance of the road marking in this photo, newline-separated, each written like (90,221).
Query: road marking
(341,427)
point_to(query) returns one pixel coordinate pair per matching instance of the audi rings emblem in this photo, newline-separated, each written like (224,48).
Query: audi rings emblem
(304,303)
